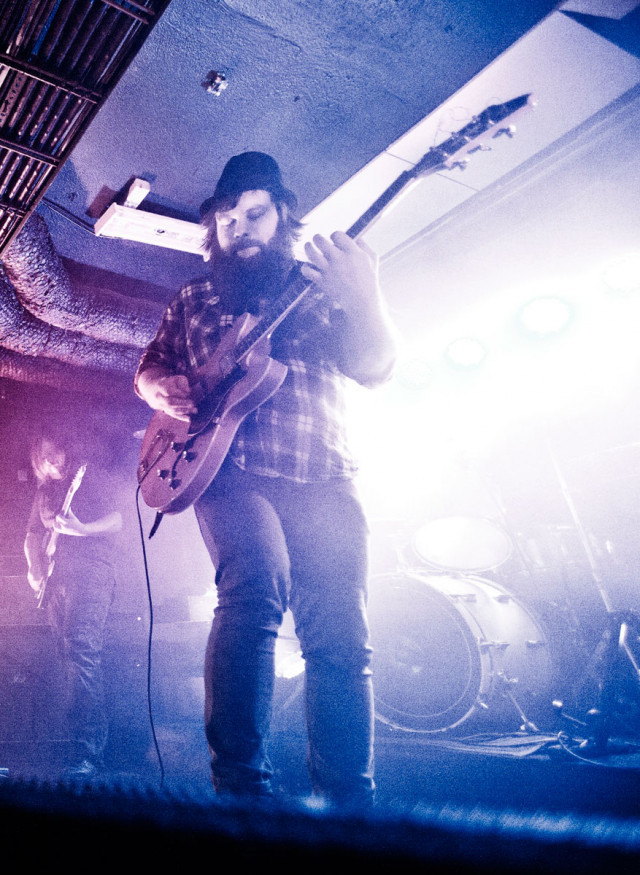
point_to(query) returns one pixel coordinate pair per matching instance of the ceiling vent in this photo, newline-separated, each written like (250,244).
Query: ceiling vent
(59,61)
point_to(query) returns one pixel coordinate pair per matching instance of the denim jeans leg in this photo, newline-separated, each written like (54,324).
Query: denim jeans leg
(327,540)
(239,678)
(339,708)
(252,571)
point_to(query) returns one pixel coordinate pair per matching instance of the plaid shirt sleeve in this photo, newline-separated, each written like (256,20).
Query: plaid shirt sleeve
(168,348)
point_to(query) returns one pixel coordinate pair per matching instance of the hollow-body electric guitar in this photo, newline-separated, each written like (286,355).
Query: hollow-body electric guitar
(180,459)
(51,538)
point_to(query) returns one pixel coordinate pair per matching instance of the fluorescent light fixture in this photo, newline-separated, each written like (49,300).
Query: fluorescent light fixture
(128,223)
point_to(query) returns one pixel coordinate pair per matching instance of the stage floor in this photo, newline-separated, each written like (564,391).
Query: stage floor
(521,771)
(518,803)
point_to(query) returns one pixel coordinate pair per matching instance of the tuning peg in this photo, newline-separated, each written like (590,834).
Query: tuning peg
(508,131)
(460,165)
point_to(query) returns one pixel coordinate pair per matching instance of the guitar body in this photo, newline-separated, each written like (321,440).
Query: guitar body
(178,459)
(42,587)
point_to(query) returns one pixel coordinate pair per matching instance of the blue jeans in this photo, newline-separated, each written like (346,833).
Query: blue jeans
(78,607)
(276,543)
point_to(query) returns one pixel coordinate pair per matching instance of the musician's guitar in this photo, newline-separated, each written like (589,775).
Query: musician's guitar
(178,459)
(51,538)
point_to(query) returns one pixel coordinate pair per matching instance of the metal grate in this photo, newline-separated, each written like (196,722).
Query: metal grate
(59,61)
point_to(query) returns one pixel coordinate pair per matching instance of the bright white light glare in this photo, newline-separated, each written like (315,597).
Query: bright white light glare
(522,388)
(545,316)
(414,373)
(466,352)
(622,275)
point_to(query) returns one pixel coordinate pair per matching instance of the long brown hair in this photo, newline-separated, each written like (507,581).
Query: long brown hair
(62,442)
(289,228)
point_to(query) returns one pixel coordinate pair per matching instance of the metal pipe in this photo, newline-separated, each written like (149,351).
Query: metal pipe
(145,16)
(95,24)
(124,34)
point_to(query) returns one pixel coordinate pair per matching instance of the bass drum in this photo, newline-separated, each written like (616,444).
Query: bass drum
(451,649)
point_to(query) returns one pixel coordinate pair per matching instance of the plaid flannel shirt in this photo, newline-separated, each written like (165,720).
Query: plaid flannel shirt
(300,432)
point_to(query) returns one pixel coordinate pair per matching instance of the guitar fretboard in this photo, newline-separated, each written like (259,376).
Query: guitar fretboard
(436,157)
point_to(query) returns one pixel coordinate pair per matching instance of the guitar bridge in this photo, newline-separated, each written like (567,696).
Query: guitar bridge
(158,447)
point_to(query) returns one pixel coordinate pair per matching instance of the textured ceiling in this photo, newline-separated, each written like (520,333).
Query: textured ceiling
(324,86)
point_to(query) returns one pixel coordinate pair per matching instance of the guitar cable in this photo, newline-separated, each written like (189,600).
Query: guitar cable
(149,640)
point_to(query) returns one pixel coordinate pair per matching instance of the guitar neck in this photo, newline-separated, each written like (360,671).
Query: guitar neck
(463,141)
(294,292)
(73,488)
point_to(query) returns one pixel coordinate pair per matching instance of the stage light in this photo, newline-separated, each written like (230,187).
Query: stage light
(465,352)
(622,275)
(545,316)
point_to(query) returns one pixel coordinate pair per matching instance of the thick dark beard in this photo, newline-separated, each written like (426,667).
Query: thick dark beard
(245,282)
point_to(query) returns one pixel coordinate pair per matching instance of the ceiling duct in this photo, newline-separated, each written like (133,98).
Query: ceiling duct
(59,61)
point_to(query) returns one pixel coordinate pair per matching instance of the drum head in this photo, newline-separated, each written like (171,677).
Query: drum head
(460,543)
(442,645)
(425,666)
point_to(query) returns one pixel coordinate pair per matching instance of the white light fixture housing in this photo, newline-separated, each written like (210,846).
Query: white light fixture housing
(129,223)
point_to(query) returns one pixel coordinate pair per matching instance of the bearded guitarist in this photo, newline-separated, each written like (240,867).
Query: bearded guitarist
(72,512)
(281,518)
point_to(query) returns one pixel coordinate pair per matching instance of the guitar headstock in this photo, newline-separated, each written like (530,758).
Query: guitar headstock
(495,121)
(77,480)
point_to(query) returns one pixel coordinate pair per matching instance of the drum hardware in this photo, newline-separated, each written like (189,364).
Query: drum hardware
(558,707)
(615,649)
(526,725)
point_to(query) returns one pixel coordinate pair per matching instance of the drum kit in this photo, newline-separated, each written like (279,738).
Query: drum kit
(477,627)
(454,648)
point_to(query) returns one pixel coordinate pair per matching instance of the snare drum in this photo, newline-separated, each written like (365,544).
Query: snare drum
(448,649)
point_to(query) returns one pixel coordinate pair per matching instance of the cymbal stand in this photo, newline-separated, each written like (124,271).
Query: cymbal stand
(614,645)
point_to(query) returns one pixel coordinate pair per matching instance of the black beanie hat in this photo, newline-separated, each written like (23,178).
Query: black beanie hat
(249,171)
